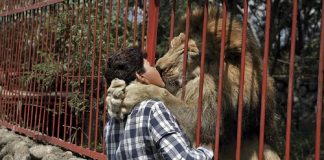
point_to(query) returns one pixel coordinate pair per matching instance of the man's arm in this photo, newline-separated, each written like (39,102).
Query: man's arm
(169,137)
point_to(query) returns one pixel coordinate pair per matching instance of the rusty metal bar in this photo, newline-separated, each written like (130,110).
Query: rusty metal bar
(80,51)
(35,62)
(117,23)
(107,53)
(57,76)
(67,75)
(61,61)
(320,91)
(135,22)
(264,79)
(202,74)
(241,91)
(220,81)
(185,54)
(125,23)
(92,74)
(152,29)
(98,72)
(21,45)
(75,10)
(291,78)
(173,14)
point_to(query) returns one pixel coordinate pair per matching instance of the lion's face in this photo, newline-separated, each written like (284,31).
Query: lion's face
(170,65)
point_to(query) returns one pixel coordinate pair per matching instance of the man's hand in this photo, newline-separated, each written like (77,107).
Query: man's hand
(116,95)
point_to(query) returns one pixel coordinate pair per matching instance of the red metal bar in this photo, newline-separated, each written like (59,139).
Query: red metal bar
(185,54)
(152,30)
(291,78)
(80,51)
(173,13)
(44,106)
(220,81)
(107,53)
(240,106)
(125,23)
(202,74)
(320,92)
(35,61)
(61,61)
(92,76)
(20,70)
(98,73)
(56,79)
(31,60)
(39,85)
(143,26)
(85,80)
(50,52)
(135,22)
(25,69)
(7,68)
(72,80)
(264,80)
(67,75)
(18,62)
(117,23)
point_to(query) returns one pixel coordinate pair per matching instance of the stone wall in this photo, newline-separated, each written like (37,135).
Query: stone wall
(17,147)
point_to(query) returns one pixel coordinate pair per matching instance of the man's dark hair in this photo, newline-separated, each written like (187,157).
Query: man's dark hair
(124,64)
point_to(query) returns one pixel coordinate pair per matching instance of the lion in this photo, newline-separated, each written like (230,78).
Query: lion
(170,66)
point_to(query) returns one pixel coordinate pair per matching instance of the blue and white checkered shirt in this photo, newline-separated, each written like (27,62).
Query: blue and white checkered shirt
(149,132)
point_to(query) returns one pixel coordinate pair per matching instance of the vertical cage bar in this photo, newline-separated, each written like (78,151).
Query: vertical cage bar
(98,71)
(117,23)
(264,79)
(135,22)
(125,23)
(80,56)
(152,30)
(68,73)
(202,74)
(291,78)
(92,74)
(185,53)
(85,73)
(220,81)
(105,85)
(241,91)
(173,14)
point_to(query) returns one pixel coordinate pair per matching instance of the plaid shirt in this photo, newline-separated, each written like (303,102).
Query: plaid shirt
(149,132)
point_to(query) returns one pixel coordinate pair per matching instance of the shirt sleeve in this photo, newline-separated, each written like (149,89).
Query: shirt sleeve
(169,138)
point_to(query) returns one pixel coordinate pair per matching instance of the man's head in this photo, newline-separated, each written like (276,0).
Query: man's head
(129,64)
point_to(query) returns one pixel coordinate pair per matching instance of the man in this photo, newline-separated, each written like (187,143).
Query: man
(150,131)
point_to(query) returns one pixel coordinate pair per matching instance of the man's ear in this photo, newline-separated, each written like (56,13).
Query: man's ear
(141,78)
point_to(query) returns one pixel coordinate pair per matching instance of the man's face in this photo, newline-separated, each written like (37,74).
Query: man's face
(151,75)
